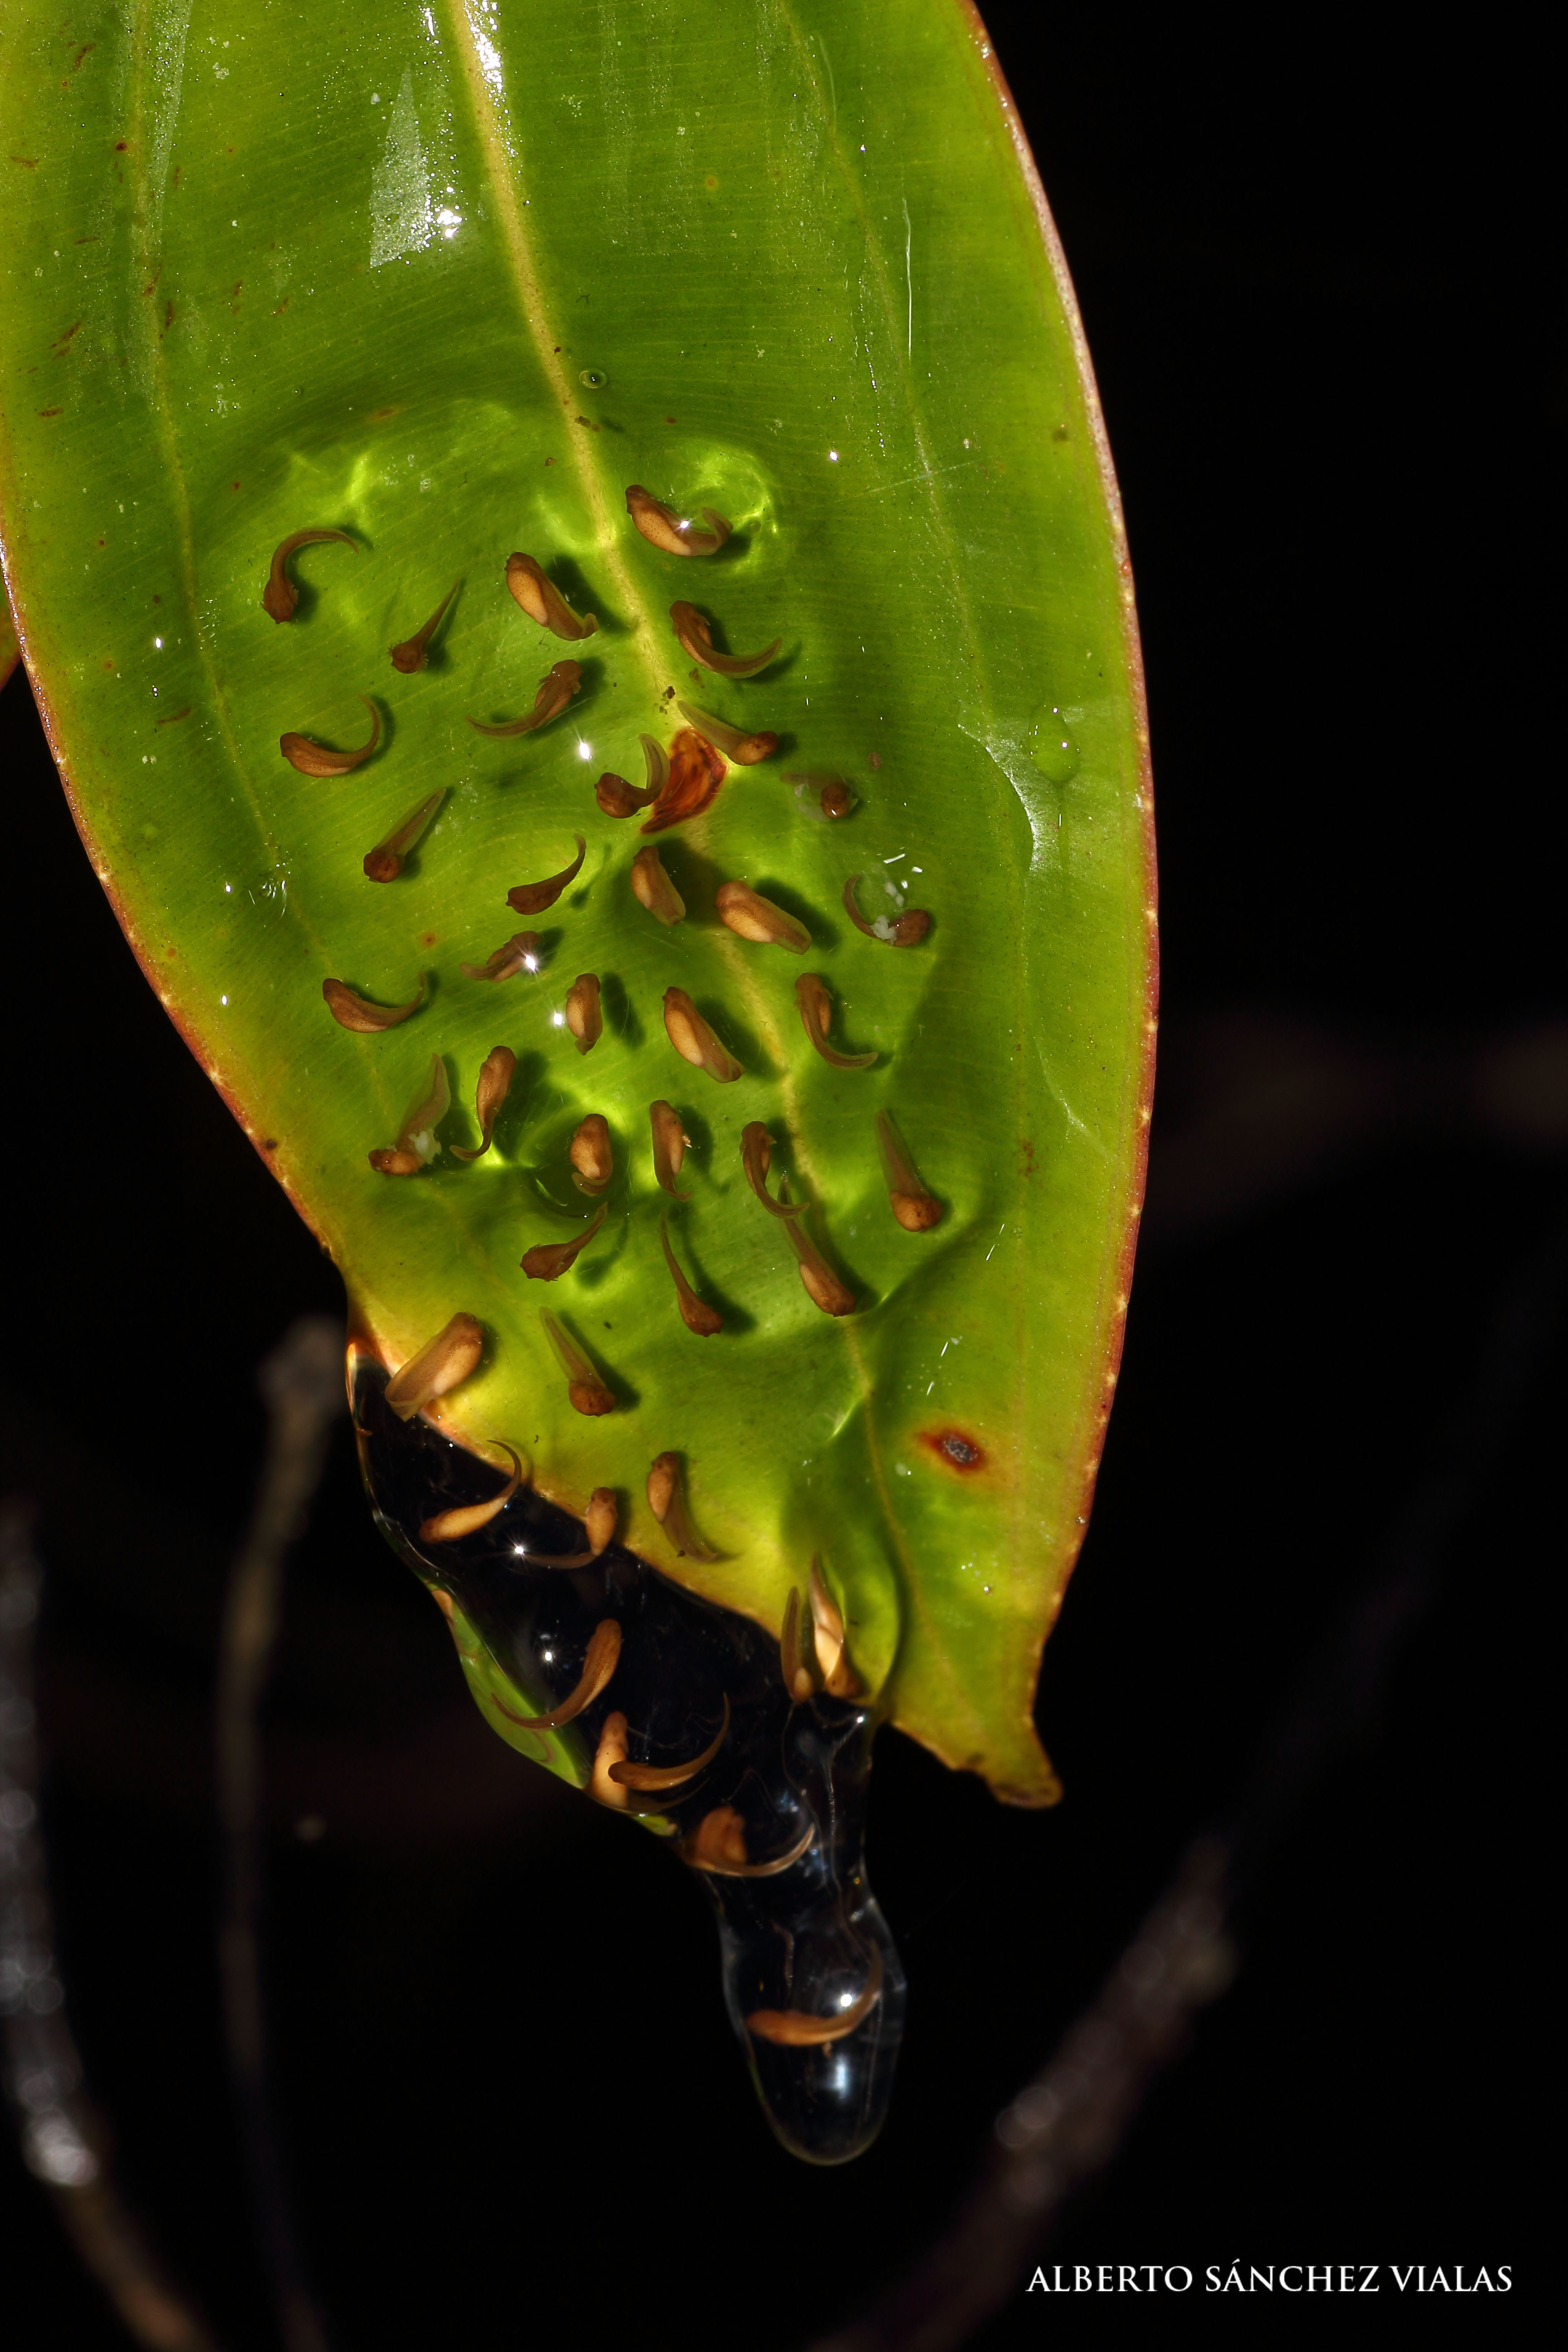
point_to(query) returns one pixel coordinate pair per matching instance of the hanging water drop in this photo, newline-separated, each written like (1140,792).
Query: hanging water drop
(772,1818)
(1052,747)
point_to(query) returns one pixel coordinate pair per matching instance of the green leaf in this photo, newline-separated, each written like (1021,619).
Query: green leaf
(451,288)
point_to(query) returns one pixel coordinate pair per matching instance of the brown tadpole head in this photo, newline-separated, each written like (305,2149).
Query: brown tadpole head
(816,1002)
(548,1260)
(496,1073)
(439,1366)
(693,771)
(533,897)
(914,1207)
(412,653)
(696,635)
(827,1622)
(555,691)
(520,953)
(717,1844)
(664,528)
(585,1391)
(592,1160)
(617,798)
(750,916)
(583,1016)
(652,888)
(797,1661)
(449,1526)
(757,1159)
(352,1012)
(611,1750)
(600,1520)
(666,1501)
(821,795)
(599,1665)
(279,596)
(735,743)
(906,932)
(416,1136)
(670,1146)
(659,1777)
(695,1041)
(315,759)
(695,1313)
(543,602)
(796,2029)
(384,862)
(822,1286)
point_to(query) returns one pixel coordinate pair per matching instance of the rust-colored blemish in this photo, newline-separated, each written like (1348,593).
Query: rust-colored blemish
(174,718)
(1027,1164)
(61,340)
(953,1447)
(696,773)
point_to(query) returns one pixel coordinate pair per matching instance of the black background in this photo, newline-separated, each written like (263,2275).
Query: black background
(511,2102)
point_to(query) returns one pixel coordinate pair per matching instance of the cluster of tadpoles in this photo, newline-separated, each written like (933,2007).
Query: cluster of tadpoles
(813,1658)
(680,782)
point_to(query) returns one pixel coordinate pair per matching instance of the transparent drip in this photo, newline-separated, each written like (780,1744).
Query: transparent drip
(774,1825)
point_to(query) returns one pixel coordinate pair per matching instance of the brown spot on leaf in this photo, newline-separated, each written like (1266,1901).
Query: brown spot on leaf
(694,775)
(952,1446)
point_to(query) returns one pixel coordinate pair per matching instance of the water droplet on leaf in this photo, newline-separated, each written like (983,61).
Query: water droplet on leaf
(1052,747)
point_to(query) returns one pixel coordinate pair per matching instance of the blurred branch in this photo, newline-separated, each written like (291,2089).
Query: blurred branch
(1066,2126)
(62,2144)
(302,1385)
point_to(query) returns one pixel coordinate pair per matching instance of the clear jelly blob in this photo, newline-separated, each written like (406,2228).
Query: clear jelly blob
(1052,746)
(773,1823)
(592,378)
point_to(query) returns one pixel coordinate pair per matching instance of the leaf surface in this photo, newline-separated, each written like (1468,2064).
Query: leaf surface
(450,287)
